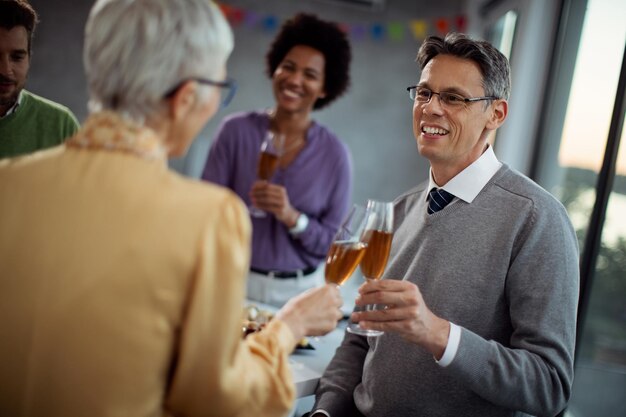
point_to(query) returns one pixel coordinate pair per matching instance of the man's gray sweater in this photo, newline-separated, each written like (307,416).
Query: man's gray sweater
(505,269)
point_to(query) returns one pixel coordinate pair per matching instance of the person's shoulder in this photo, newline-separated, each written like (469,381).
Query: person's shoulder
(242,123)
(30,163)
(515,182)
(323,132)
(236,129)
(411,195)
(520,187)
(327,139)
(214,206)
(201,196)
(46,104)
(245,117)
(408,201)
(194,189)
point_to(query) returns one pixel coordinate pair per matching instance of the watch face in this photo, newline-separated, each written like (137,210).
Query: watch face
(301,223)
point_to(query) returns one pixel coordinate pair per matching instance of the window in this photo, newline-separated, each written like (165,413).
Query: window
(570,170)
(502,32)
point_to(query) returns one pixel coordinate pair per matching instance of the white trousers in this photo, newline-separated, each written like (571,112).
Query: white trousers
(277,291)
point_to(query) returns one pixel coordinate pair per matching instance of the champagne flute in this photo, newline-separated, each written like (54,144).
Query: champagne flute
(271,151)
(348,247)
(378,234)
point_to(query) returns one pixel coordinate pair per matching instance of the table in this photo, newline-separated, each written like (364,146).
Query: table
(308,365)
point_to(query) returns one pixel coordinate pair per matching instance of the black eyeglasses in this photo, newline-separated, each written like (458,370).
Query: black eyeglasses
(424,95)
(229,84)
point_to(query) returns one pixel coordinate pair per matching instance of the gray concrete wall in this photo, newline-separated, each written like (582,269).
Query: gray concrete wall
(374,118)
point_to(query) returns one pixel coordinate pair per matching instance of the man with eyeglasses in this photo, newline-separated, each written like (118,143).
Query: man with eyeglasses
(480,292)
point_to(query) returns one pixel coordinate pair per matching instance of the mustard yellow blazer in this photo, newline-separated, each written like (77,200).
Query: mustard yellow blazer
(121,290)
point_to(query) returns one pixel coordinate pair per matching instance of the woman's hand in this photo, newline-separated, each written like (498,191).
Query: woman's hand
(314,312)
(273,199)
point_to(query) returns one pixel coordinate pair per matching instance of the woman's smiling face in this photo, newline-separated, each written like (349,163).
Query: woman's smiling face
(299,79)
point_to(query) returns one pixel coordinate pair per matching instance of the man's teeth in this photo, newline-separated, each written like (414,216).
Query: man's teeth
(290,93)
(434,131)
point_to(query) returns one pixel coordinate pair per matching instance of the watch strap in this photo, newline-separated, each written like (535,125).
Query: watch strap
(301,224)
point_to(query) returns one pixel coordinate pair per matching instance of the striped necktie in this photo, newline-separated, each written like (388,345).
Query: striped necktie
(438,198)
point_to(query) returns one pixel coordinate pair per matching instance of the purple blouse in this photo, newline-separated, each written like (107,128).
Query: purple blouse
(318,183)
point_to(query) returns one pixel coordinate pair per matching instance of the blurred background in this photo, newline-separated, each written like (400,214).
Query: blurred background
(564,129)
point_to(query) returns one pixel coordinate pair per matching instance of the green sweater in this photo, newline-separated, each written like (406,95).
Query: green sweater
(36,124)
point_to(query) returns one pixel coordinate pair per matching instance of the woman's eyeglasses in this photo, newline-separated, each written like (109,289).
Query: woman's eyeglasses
(229,84)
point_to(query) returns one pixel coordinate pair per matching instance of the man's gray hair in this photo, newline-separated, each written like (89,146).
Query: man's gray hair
(494,66)
(138,50)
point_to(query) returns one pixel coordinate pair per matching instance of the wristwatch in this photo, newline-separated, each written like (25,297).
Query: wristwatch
(301,223)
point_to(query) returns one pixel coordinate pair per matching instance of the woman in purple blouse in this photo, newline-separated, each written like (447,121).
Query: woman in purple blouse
(310,193)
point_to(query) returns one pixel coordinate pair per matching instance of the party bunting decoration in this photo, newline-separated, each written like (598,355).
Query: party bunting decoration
(419,29)
(358,32)
(270,23)
(394,31)
(461,23)
(344,28)
(377,31)
(252,19)
(442,26)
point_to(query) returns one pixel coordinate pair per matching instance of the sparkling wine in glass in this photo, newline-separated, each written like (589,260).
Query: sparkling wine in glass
(378,235)
(348,247)
(269,156)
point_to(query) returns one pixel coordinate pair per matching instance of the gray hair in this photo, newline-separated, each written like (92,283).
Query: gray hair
(138,50)
(494,66)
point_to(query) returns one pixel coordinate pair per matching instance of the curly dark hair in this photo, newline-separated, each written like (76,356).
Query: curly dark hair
(494,65)
(18,13)
(326,37)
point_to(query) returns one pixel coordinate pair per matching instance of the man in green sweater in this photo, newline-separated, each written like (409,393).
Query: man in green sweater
(27,122)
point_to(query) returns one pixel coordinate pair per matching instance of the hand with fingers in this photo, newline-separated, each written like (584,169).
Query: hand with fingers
(273,199)
(405,313)
(314,312)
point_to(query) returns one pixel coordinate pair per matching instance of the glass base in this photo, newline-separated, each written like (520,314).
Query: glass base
(256,212)
(356,329)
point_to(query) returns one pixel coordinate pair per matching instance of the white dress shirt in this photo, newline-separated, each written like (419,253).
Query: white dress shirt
(14,106)
(465,186)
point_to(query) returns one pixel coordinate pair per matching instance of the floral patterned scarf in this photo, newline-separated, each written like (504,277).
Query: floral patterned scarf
(110,131)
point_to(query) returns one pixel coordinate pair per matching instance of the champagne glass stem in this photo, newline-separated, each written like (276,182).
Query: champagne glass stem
(272,149)
(378,236)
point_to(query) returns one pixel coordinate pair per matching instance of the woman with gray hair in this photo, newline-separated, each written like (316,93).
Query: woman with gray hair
(110,302)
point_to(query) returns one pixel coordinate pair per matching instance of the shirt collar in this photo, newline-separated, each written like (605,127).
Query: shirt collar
(14,107)
(468,183)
